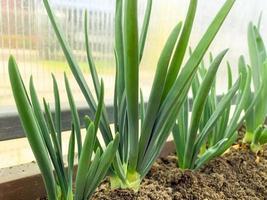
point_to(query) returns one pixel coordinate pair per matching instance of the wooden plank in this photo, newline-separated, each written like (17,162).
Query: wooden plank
(10,127)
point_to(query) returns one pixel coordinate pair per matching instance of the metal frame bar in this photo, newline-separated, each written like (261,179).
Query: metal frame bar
(10,126)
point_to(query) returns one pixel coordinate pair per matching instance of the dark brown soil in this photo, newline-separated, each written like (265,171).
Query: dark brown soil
(239,174)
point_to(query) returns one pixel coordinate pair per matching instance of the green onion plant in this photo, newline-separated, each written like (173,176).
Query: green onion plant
(212,129)
(141,141)
(256,131)
(44,135)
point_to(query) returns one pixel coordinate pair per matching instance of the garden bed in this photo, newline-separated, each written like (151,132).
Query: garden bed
(238,174)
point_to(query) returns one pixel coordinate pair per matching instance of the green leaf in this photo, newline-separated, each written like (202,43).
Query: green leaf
(210,153)
(71,151)
(195,85)
(87,122)
(180,50)
(241,106)
(229,75)
(263,137)
(142,108)
(254,56)
(84,161)
(130,33)
(257,135)
(91,174)
(210,57)
(74,115)
(92,68)
(119,51)
(31,128)
(161,132)
(57,111)
(198,106)
(143,35)
(73,64)
(115,97)
(157,91)
(58,164)
(90,58)
(100,106)
(258,57)
(70,57)
(61,176)
(123,124)
(105,160)
(190,67)
(180,131)
(259,21)
(225,118)
(220,108)
(261,105)
(227,145)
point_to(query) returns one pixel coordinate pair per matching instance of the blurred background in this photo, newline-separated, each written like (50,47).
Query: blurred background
(26,33)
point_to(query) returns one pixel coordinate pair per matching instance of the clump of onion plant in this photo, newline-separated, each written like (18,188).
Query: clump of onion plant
(256,131)
(140,145)
(44,135)
(211,130)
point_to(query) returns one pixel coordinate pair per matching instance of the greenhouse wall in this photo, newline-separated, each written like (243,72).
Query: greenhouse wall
(26,33)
